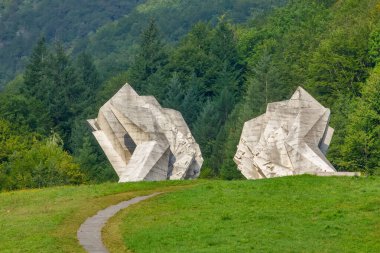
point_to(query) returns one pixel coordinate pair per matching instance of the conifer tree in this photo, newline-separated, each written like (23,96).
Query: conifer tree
(174,93)
(35,72)
(86,87)
(150,58)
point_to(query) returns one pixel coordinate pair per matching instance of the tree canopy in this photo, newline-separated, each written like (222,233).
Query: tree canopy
(217,69)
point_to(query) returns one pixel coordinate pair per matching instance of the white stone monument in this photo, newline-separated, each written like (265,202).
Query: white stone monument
(144,141)
(291,138)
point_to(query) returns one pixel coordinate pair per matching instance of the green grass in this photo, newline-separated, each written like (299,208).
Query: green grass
(293,214)
(46,220)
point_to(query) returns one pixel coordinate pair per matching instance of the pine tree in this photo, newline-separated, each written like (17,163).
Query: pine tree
(60,97)
(150,58)
(87,85)
(174,93)
(93,162)
(35,72)
(193,101)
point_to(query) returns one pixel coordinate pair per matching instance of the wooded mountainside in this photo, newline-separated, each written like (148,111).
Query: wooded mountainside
(218,62)
(109,30)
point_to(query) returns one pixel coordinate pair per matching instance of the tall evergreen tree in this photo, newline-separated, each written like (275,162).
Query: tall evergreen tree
(174,93)
(61,93)
(35,72)
(88,82)
(150,58)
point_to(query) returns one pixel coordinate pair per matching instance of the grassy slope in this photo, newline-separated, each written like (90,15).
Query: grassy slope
(46,220)
(297,214)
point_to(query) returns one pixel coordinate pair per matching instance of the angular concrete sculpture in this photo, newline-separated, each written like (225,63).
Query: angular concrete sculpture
(291,138)
(144,141)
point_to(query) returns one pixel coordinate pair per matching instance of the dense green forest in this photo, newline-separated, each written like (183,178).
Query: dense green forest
(109,30)
(218,62)
(23,22)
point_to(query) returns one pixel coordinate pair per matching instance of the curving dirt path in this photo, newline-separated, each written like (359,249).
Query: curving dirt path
(90,232)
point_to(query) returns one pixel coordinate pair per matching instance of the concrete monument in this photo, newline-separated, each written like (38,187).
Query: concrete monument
(144,141)
(291,138)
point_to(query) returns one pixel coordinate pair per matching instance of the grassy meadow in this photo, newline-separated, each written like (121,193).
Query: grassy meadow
(46,220)
(291,214)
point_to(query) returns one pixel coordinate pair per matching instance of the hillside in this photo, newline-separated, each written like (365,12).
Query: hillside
(218,62)
(63,83)
(46,220)
(23,22)
(114,45)
(293,214)
(218,73)
(106,29)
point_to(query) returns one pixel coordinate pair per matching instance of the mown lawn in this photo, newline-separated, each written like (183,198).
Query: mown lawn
(292,214)
(46,220)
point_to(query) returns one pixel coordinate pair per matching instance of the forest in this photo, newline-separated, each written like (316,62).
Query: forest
(217,62)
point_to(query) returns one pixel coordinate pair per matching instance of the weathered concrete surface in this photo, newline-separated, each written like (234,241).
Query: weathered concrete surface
(90,232)
(144,141)
(336,174)
(291,138)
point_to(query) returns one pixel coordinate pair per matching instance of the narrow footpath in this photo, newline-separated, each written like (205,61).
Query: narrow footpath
(90,232)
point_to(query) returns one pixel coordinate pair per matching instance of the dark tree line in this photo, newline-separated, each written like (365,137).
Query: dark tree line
(50,104)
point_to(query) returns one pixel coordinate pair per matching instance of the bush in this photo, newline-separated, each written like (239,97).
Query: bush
(27,162)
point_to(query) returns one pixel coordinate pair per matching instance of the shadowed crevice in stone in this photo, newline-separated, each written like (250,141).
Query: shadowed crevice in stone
(90,232)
